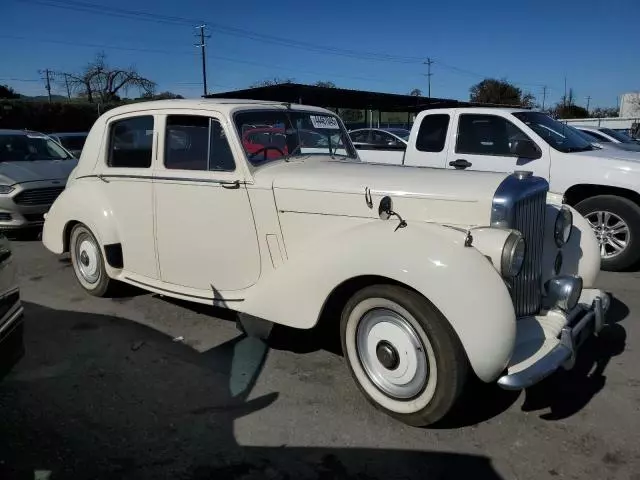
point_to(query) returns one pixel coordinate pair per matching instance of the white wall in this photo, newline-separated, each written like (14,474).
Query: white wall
(630,105)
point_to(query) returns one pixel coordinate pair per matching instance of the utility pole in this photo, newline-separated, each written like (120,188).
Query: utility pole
(428,63)
(588,101)
(66,82)
(47,80)
(564,100)
(544,96)
(202,46)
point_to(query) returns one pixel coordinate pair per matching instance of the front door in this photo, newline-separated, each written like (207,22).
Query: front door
(205,233)
(484,141)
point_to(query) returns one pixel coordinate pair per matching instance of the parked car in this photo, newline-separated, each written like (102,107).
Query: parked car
(609,136)
(72,141)
(33,171)
(602,184)
(425,274)
(11,311)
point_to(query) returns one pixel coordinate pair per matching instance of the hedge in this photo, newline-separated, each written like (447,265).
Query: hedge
(50,117)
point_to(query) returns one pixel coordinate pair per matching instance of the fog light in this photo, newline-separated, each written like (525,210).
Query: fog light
(557,264)
(564,291)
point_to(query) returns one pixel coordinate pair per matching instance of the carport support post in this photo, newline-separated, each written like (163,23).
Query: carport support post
(379,117)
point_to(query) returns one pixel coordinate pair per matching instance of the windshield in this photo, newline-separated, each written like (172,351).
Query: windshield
(558,135)
(28,147)
(619,136)
(399,132)
(269,135)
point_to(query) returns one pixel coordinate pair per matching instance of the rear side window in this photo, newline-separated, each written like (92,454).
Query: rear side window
(432,134)
(131,143)
(196,143)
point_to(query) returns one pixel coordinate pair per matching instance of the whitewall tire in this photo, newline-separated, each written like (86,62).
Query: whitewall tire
(402,353)
(88,262)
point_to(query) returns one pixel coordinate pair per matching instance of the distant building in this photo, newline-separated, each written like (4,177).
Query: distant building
(630,105)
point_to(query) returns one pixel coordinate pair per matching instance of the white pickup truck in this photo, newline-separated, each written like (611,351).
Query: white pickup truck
(603,185)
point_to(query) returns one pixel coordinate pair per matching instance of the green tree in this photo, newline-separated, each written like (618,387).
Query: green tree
(566,107)
(159,96)
(271,81)
(327,84)
(601,112)
(7,92)
(416,92)
(501,92)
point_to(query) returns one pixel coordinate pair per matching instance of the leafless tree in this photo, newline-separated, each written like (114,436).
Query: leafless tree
(99,81)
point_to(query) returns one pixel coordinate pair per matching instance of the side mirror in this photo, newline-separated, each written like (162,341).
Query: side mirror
(525,148)
(385,209)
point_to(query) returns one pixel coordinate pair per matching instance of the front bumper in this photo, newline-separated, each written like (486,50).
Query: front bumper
(546,342)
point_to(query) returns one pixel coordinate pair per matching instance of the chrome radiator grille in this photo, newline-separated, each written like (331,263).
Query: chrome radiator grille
(520,203)
(38,196)
(526,288)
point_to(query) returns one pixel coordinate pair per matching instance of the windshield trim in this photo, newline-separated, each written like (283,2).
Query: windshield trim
(352,153)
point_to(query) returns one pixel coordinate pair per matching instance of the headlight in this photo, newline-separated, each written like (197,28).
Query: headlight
(562,227)
(4,189)
(513,255)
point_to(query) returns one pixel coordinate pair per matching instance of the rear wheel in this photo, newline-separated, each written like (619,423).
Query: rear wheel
(403,354)
(88,262)
(616,223)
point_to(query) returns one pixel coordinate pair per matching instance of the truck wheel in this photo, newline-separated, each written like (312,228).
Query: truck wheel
(88,263)
(402,353)
(616,223)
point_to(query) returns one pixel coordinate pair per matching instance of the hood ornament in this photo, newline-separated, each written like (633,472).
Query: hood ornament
(385,211)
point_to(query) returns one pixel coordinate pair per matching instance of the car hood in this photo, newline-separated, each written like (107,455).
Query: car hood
(610,153)
(332,187)
(35,170)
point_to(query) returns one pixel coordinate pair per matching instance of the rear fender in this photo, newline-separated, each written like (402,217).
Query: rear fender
(93,211)
(431,259)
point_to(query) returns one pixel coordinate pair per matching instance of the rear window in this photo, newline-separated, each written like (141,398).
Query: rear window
(131,143)
(433,133)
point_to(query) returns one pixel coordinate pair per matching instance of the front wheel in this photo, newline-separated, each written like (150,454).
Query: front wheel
(403,354)
(616,223)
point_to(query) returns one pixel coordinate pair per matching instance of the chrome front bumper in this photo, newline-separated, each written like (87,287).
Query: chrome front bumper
(546,342)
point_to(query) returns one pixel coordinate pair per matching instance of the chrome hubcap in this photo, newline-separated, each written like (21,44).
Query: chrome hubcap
(392,353)
(611,231)
(88,260)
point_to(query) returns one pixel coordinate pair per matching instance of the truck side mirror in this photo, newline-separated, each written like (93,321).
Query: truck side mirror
(525,148)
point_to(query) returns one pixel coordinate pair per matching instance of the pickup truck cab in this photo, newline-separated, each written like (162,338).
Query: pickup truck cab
(602,184)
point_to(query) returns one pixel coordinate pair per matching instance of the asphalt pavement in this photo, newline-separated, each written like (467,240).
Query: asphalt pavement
(142,386)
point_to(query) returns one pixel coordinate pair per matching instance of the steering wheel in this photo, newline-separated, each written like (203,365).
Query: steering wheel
(265,149)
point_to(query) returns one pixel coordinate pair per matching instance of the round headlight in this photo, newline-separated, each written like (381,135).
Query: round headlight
(513,254)
(562,227)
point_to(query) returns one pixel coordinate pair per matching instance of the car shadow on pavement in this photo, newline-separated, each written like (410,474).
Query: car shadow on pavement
(101,397)
(568,391)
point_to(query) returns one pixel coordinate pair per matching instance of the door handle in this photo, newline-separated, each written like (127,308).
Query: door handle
(230,185)
(460,164)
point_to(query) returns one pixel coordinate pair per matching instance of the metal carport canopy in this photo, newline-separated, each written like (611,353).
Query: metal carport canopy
(330,97)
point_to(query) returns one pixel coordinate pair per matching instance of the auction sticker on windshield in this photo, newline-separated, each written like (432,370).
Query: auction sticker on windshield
(319,121)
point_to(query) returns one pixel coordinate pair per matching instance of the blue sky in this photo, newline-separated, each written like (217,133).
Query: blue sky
(594,43)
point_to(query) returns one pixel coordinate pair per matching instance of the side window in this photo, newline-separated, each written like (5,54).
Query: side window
(382,138)
(131,143)
(194,142)
(360,137)
(432,134)
(486,135)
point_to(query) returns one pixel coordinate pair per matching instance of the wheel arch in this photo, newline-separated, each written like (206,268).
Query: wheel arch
(579,192)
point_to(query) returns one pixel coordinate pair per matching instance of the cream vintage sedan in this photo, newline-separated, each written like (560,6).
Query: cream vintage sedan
(428,275)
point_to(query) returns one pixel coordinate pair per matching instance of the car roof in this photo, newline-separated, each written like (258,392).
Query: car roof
(587,127)
(223,105)
(8,131)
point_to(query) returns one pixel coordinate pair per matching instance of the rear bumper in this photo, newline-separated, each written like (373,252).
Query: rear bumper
(548,342)
(11,338)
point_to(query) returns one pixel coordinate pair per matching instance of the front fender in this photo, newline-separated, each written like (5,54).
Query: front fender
(429,258)
(80,202)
